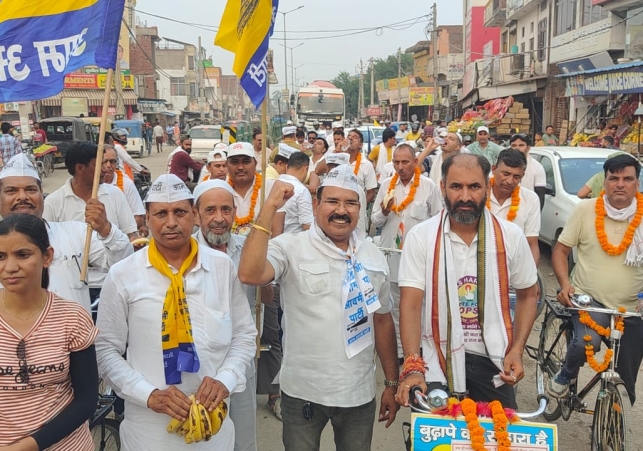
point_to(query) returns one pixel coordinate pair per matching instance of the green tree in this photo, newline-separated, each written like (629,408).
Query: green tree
(385,68)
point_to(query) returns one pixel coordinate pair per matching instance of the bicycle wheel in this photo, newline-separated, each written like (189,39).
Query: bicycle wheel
(611,427)
(110,441)
(48,163)
(552,347)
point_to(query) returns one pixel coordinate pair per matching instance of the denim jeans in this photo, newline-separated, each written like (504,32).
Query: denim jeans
(352,426)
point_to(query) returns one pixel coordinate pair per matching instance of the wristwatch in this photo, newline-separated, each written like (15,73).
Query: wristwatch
(391,383)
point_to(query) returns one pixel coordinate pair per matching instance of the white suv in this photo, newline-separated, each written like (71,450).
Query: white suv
(204,138)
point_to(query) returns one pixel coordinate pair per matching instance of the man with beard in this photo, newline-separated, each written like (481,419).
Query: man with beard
(440,272)
(336,301)
(21,192)
(214,210)
(181,164)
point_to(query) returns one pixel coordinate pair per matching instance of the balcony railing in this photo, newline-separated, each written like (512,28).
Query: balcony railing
(495,13)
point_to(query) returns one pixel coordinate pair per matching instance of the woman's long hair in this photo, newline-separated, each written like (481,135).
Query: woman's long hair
(36,232)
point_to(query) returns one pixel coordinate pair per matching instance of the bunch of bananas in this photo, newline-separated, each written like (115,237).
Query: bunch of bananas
(201,425)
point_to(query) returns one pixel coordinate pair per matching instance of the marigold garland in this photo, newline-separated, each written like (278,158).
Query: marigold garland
(414,186)
(472,410)
(586,319)
(253,202)
(599,224)
(119,179)
(358,162)
(515,202)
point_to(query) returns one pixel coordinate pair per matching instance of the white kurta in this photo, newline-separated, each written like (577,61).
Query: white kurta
(534,175)
(299,208)
(131,194)
(528,215)
(130,320)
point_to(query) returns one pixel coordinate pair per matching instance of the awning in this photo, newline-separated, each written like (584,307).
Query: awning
(511,89)
(615,67)
(94,97)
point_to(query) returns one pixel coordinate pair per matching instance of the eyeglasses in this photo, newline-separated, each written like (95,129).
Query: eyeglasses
(112,162)
(519,135)
(23,370)
(311,139)
(349,205)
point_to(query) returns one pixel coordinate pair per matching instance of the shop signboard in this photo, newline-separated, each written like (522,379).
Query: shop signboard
(383,95)
(421,96)
(438,433)
(95,80)
(74,106)
(626,81)
(393,83)
(151,106)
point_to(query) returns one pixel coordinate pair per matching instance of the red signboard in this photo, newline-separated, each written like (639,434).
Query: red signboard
(80,81)
(373,111)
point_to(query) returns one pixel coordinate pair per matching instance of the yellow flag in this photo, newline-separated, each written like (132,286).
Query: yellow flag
(244,26)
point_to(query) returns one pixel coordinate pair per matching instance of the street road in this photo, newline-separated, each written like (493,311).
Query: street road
(573,434)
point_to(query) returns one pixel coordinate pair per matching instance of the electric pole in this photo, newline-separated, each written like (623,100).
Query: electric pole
(201,93)
(372,82)
(399,87)
(361,88)
(434,36)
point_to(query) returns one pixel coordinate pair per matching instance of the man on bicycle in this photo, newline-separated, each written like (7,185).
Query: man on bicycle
(608,236)
(468,340)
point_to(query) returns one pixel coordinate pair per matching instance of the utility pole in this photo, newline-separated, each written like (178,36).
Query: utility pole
(399,87)
(118,84)
(434,36)
(201,93)
(372,82)
(361,88)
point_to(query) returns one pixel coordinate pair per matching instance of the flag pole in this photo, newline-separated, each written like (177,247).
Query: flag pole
(264,159)
(99,163)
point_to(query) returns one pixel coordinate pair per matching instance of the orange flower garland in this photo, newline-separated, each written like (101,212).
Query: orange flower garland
(253,202)
(629,234)
(476,432)
(358,162)
(515,202)
(500,425)
(414,186)
(587,320)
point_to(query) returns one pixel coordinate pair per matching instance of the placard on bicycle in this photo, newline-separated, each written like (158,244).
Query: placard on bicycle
(439,433)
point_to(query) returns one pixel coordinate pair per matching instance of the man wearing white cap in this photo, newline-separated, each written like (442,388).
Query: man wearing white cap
(336,301)
(214,210)
(403,201)
(21,192)
(279,163)
(246,182)
(198,336)
(484,147)
(215,167)
(362,168)
(297,215)
(332,161)
(336,126)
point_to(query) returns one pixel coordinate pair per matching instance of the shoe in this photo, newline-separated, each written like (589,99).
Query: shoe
(274,405)
(558,387)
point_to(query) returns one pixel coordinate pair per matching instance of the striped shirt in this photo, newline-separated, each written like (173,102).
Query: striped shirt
(63,327)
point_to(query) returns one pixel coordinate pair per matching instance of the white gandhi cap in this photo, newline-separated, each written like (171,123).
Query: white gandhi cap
(337,158)
(168,188)
(286,151)
(211,184)
(289,130)
(342,177)
(19,166)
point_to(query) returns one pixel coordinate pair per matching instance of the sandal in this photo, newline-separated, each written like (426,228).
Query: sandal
(274,405)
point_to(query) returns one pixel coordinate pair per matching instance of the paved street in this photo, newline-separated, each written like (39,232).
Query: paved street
(573,435)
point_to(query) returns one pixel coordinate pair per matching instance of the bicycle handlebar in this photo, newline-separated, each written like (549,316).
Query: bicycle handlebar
(583,301)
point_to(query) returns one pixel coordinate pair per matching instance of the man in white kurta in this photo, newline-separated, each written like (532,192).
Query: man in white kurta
(362,168)
(426,202)
(298,212)
(336,304)
(21,192)
(507,174)
(535,178)
(130,318)
(452,146)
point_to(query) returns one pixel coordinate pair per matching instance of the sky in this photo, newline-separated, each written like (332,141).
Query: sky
(316,59)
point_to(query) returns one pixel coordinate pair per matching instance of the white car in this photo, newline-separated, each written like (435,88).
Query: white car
(204,138)
(567,169)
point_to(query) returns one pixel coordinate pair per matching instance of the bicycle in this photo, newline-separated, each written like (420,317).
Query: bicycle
(611,425)
(105,430)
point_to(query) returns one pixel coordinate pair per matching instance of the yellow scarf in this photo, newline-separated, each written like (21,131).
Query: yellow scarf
(179,353)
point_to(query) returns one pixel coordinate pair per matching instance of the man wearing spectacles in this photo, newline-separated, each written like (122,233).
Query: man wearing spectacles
(534,178)
(336,301)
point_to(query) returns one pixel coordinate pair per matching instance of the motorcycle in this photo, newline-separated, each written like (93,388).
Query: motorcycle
(143,182)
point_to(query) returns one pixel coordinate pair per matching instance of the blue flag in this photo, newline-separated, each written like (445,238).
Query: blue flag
(41,41)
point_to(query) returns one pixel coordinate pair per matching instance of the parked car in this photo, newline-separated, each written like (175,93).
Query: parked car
(135,139)
(567,169)
(204,138)
(62,131)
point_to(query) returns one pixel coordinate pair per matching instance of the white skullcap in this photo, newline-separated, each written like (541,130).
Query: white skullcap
(337,158)
(211,184)
(338,124)
(241,149)
(289,130)
(19,166)
(286,151)
(218,156)
(168,188)
(342,177)
(221,147)
(288,122)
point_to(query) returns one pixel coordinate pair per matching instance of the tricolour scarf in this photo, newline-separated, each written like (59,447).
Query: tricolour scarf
(358,295)
(179,352)
(443,328)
